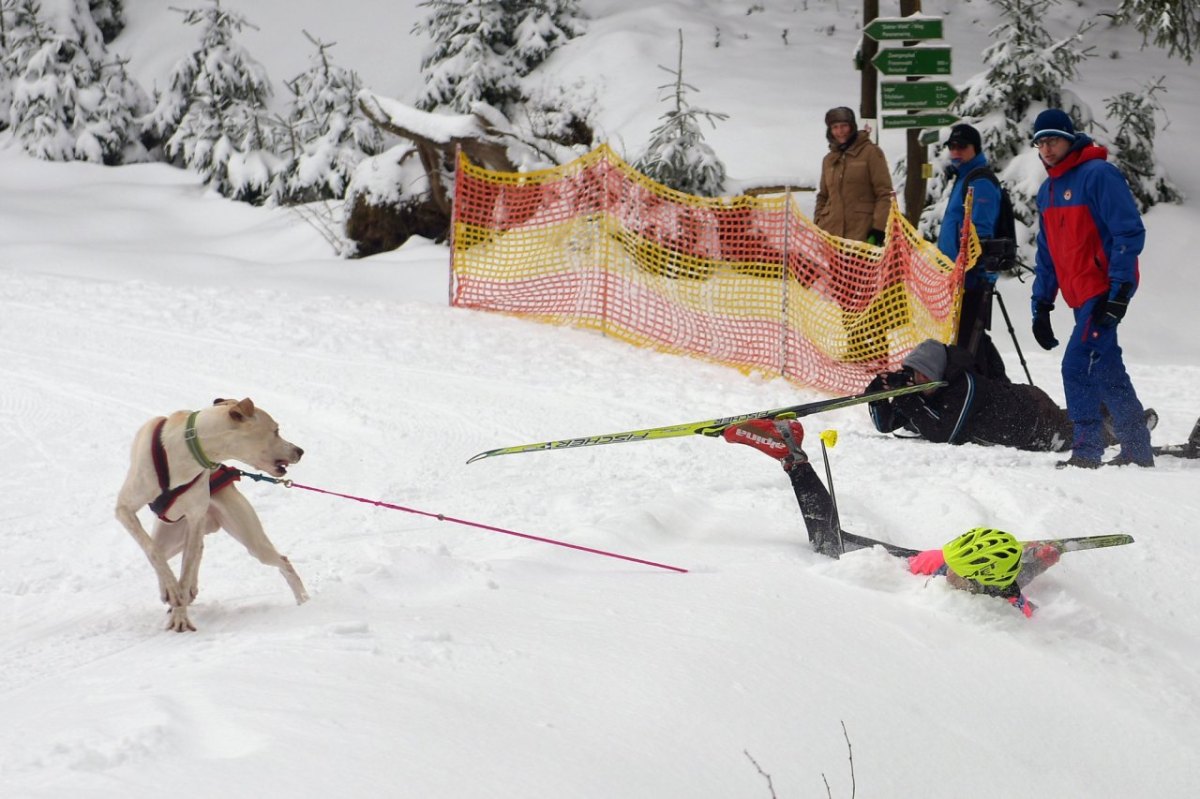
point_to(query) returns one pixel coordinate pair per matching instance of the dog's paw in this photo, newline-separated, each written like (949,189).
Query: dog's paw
(179,621)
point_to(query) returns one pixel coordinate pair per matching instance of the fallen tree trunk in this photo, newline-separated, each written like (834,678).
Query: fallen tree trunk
(438,138)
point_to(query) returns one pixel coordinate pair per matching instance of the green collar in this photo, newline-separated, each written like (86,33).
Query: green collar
(193,442)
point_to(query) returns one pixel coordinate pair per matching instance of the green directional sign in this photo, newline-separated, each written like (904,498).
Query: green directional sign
(904,28)
(935,94)
(919,121)
(913,61)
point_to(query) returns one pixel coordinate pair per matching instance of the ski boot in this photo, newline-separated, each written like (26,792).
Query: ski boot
(782,439)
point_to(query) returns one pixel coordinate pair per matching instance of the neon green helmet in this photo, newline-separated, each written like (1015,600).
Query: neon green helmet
(987,556)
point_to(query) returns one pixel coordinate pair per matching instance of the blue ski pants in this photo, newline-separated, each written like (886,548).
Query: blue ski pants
(1093,376)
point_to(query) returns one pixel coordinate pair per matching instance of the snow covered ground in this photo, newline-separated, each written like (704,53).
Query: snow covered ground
(437,660)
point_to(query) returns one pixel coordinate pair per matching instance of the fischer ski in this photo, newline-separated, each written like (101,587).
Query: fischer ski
(852,542)
(1084,542)
(708,427)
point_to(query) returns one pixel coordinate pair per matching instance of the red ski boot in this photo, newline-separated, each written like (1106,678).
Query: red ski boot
(779,438)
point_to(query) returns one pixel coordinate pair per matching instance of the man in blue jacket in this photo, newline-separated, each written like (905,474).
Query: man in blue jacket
(1089,238)
(966,156)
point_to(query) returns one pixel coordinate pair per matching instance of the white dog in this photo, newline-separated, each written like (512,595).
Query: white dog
(176,470)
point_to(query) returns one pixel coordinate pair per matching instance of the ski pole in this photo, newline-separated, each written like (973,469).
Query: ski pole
(830,436)
(441,517)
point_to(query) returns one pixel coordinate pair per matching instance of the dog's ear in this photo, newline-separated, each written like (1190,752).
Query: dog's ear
(219,401)
(242,410)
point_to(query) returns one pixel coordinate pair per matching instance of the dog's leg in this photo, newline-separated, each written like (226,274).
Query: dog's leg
(171,539)
(139,488)
(189,566)
(235,513)
(186,537)
(168,585)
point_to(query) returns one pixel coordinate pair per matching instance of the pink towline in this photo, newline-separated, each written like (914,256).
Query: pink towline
(443,518)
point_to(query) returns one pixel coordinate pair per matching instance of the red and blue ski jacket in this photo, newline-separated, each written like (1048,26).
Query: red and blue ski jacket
(1091,233)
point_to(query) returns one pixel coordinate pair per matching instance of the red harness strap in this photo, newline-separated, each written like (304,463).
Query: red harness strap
(219,478)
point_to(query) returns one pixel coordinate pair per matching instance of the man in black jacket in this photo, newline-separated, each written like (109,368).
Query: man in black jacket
(971,407)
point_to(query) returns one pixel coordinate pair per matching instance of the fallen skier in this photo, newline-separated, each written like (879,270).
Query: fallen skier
(982,560)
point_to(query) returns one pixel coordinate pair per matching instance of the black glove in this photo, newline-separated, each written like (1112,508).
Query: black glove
(1109,311)
(1042,331)
(875,237)
(899,379)
(876,384)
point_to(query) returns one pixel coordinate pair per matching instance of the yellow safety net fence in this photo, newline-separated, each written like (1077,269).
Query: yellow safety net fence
(748,282)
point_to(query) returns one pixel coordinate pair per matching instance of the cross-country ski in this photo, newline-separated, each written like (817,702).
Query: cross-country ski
(708,427)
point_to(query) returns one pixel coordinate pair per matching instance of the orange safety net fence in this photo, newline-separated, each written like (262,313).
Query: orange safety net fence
(748,282)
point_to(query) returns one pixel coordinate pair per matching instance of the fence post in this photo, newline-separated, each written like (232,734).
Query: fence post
(458,157)
(606,233)
(783,303)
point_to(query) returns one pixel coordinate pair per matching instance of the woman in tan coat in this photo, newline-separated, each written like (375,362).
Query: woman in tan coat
(856,185)
(853,202)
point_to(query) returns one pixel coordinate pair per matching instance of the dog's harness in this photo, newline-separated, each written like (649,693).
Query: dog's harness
(220,475)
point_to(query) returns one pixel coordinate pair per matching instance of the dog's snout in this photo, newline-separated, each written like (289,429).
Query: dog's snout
(299,453)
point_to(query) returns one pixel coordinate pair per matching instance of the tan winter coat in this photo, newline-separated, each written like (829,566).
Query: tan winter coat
(856,190)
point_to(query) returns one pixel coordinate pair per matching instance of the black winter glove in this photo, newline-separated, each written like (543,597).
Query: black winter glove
(1042,331)
(875,237)
(1111,310)
(876,384)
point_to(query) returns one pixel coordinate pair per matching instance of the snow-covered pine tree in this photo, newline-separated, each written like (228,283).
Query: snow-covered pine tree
(326,135)
(468,60)
(1173,25)
(1026,70)
(677,155)
(213,114)
(8,58)
(1133,145)
(67,102)
(562,114)
(111,133)
(481,49)
(109,16)
(43,85)
(541,27)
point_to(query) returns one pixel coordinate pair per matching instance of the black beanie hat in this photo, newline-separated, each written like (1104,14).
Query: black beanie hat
(965,134)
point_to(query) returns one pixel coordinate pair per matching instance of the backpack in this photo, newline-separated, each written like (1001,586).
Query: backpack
(1000,251)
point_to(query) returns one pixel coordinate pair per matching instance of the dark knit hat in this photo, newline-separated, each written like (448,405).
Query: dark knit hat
(1053,122)
(965,134)
(840,114)
(928,358)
